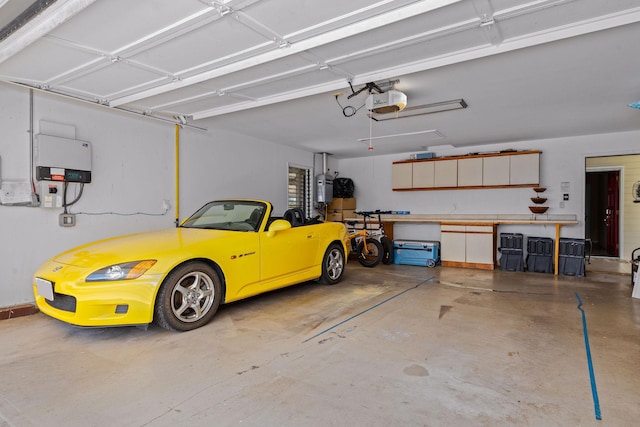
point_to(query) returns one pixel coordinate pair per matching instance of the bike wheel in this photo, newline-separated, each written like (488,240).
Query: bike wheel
(387,245)
(372,254)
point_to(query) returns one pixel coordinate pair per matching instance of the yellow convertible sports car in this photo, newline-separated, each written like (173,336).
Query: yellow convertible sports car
(226,251)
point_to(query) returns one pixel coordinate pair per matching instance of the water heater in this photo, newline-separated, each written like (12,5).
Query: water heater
(324,188)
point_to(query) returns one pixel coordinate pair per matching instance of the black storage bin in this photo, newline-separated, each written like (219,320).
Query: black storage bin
(511,258)
(512,261)
(540,246)
(540,254)
(511,241)
(571,257)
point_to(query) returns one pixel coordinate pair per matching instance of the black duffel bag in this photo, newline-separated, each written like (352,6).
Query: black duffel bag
(343,187)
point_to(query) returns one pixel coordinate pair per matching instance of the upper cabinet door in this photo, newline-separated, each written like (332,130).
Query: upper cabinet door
(402,175)
(446,173)
(525,169)
(495,170)
(470,172)
(423,174)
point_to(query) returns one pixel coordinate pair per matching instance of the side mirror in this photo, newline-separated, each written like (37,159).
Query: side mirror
(278,225)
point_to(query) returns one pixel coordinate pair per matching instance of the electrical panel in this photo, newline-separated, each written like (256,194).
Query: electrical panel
(62,159)
(51,194)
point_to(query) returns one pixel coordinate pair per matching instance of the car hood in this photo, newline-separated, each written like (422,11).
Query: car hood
(140,246)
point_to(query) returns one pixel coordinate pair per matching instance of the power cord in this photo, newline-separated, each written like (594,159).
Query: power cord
(349,110)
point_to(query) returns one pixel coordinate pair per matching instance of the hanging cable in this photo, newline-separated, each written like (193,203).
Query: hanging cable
(349,110)
(370,134)
(64,196)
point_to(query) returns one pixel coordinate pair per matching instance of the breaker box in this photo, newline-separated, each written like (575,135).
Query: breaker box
(51,194)
(62,159)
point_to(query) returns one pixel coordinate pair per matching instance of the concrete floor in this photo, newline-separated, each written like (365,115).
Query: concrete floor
(389,346)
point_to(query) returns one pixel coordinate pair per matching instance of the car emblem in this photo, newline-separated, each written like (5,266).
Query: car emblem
(58,268)
(242,255)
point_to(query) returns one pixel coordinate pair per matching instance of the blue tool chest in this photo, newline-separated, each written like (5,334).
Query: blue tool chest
(416,252)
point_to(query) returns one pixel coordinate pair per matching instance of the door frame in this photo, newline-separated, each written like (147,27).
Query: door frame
(620,171)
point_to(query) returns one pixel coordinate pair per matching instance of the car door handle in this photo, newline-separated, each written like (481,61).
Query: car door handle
(310,236)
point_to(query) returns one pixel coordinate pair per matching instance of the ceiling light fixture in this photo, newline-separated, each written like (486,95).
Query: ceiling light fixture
(419,110)
(431,133)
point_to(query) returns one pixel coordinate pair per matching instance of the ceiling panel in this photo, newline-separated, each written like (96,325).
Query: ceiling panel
(393,56)
(215,44)
(542,19)
(107,81)
(290,83)
(263,72)
(114,24)
(44,60)
(305,18)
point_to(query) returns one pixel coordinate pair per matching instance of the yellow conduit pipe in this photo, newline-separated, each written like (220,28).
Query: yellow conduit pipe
(177,175)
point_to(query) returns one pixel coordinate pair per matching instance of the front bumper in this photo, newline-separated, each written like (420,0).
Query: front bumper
(127,302)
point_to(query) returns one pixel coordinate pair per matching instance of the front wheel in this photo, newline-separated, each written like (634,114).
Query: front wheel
(372,254)
(188,297)
(332,265)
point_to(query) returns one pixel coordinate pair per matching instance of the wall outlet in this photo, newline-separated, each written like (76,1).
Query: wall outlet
(67,220)
(166,205)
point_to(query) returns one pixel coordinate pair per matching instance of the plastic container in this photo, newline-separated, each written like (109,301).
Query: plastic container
(416,252)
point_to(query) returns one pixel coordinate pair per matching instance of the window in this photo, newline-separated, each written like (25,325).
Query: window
(299,190)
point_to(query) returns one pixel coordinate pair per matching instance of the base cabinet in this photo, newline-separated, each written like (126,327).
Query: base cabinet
(468,245)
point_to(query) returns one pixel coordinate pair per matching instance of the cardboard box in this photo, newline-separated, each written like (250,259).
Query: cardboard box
(349,214)
(339,203)
(334,216)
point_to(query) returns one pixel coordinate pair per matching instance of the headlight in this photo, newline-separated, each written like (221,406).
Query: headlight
(124,271)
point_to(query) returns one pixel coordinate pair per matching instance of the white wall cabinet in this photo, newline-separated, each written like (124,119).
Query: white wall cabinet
(506,169)
(524,169)
(423,175)
(445,173)
(470,172)
(402,176)
(469,245)
(496,170)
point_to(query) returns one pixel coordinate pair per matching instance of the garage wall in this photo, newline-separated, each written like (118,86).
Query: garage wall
(133,172)
(562,160)
(220,165)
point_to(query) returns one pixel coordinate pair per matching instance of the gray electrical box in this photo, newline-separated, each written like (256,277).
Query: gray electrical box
(62,159)
(324,188)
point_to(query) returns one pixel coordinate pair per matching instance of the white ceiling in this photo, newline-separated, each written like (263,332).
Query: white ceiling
(528,69)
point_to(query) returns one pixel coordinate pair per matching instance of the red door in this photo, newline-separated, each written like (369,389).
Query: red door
(612,212)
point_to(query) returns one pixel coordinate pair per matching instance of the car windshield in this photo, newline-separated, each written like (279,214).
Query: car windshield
(234,215)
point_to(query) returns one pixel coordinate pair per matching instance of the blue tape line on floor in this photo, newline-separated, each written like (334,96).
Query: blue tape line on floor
(368,309)
(594,390)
